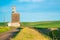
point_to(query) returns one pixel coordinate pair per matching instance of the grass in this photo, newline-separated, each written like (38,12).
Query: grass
(30,34)
(45,24)
(55,34)
(3,23)
(4,29)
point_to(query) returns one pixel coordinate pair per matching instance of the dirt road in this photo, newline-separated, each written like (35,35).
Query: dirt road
(7,35)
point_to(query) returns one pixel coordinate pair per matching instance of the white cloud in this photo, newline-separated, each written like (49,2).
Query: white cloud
(30,0)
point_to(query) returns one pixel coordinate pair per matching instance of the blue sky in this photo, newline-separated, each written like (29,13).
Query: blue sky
(31,10)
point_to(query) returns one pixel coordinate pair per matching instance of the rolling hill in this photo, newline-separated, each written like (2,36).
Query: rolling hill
(43,24)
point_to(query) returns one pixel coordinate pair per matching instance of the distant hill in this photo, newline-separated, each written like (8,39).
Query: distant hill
(42,24)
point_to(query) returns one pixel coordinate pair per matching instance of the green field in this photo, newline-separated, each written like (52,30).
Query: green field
(3,23)
(4,29)
(43,24)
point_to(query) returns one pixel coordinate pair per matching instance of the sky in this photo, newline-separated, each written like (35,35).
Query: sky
(30,10)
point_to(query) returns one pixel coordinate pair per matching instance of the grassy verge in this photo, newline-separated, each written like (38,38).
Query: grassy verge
(31,34)
(4,29)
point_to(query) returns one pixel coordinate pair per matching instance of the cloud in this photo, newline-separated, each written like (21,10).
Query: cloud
(30,0)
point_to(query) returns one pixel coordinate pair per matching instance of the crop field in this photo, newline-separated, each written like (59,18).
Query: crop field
(4,29)
(45,24)
(3,24)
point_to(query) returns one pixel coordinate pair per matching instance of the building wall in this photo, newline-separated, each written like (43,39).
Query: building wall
(15,17)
